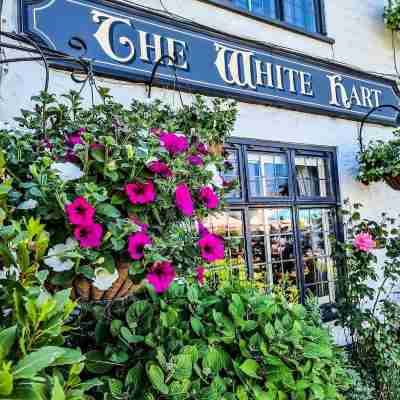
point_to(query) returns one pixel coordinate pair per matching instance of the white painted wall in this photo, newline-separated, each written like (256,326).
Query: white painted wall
(361,41)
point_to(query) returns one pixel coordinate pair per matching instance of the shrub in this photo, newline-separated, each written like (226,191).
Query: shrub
(392,15)
(197,343)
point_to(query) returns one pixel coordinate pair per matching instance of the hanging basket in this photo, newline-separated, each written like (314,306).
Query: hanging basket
(393,182)
(216,149)
(122,288)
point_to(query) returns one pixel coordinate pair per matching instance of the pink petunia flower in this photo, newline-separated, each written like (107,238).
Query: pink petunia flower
(201,278)
(161,276)
(202,148)
(208,197)
(80,212)
(89,236)
(174,143)
(136,244)
(160,168)
(141,193)
(201,229)
(183,200)
(364,242)
(211,248)
(197,161)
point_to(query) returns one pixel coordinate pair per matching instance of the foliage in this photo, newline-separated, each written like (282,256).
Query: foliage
(392,15)
(34,363)
(198,343)
(380,160)
(81,171)
(366,309)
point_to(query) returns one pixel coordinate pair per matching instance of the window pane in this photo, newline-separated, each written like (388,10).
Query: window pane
(264,7)
(268,174)
(232,174)
(242,3)
(229,225)
(272,242)
(316,227)
(313,177)
(300,13)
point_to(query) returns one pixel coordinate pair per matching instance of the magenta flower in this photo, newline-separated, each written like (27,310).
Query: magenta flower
(202,148)
(211,247)
(71,156)
(141,193)
(89,236)
(160,168)
(161,276)
(75,138)
(136,245)
(195,160)
(201,278)
(80,212)
(201,229)
(183,200)
(364,242)
(174,143)
(208,197)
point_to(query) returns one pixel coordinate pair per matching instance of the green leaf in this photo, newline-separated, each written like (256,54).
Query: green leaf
(108,210)
(250,367)
(69,357)
(57,392)
(318,391)
(33,363)
(197,326)
(6,381)
(316,351)
(7,339)
(156,376)
(97,363)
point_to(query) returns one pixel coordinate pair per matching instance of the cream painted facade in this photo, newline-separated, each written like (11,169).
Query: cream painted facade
(361,41)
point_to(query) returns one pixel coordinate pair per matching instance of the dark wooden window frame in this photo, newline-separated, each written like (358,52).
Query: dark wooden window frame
(293,201)
(321,33)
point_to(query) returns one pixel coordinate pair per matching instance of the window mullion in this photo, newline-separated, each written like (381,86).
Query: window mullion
(279,9)
(298,254)
(247,237)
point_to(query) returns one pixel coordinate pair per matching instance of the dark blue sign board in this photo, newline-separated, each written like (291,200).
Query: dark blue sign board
(125,42)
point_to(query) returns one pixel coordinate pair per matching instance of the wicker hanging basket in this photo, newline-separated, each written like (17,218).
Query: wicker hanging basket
(216,149)
(122,288)
(393,182)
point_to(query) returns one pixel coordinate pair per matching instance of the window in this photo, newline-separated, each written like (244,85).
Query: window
(279,224)
(305,15)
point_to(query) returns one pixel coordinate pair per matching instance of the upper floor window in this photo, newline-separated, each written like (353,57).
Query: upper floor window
(304,14)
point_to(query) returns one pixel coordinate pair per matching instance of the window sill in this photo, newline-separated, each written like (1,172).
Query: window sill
(280,24)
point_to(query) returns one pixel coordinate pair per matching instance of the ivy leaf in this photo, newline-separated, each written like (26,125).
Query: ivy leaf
(250,367)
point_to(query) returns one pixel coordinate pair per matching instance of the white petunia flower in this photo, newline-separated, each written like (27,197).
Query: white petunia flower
(103,279)
(58,259)
(10,272)
(28,205)
(67,171)
(216,179)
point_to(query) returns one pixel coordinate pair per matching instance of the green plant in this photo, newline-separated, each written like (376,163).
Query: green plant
(34,364)
(118,188)
(366,310)
(392,15)
(380,160)
(197,343)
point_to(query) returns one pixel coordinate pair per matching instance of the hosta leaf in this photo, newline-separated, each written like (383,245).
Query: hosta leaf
(316,351)
(57,392)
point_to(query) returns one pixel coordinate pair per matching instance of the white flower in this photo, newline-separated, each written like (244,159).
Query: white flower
(67,171)
(103,279)
(58,259)
(216,179)
(9,272)
(28,205)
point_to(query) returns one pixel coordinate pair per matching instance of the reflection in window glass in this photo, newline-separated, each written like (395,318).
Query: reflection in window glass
(265,8)
(300,13)
(229,225)
(313,177)
(316,225)
(268,174)
(232,174)
(272,243)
